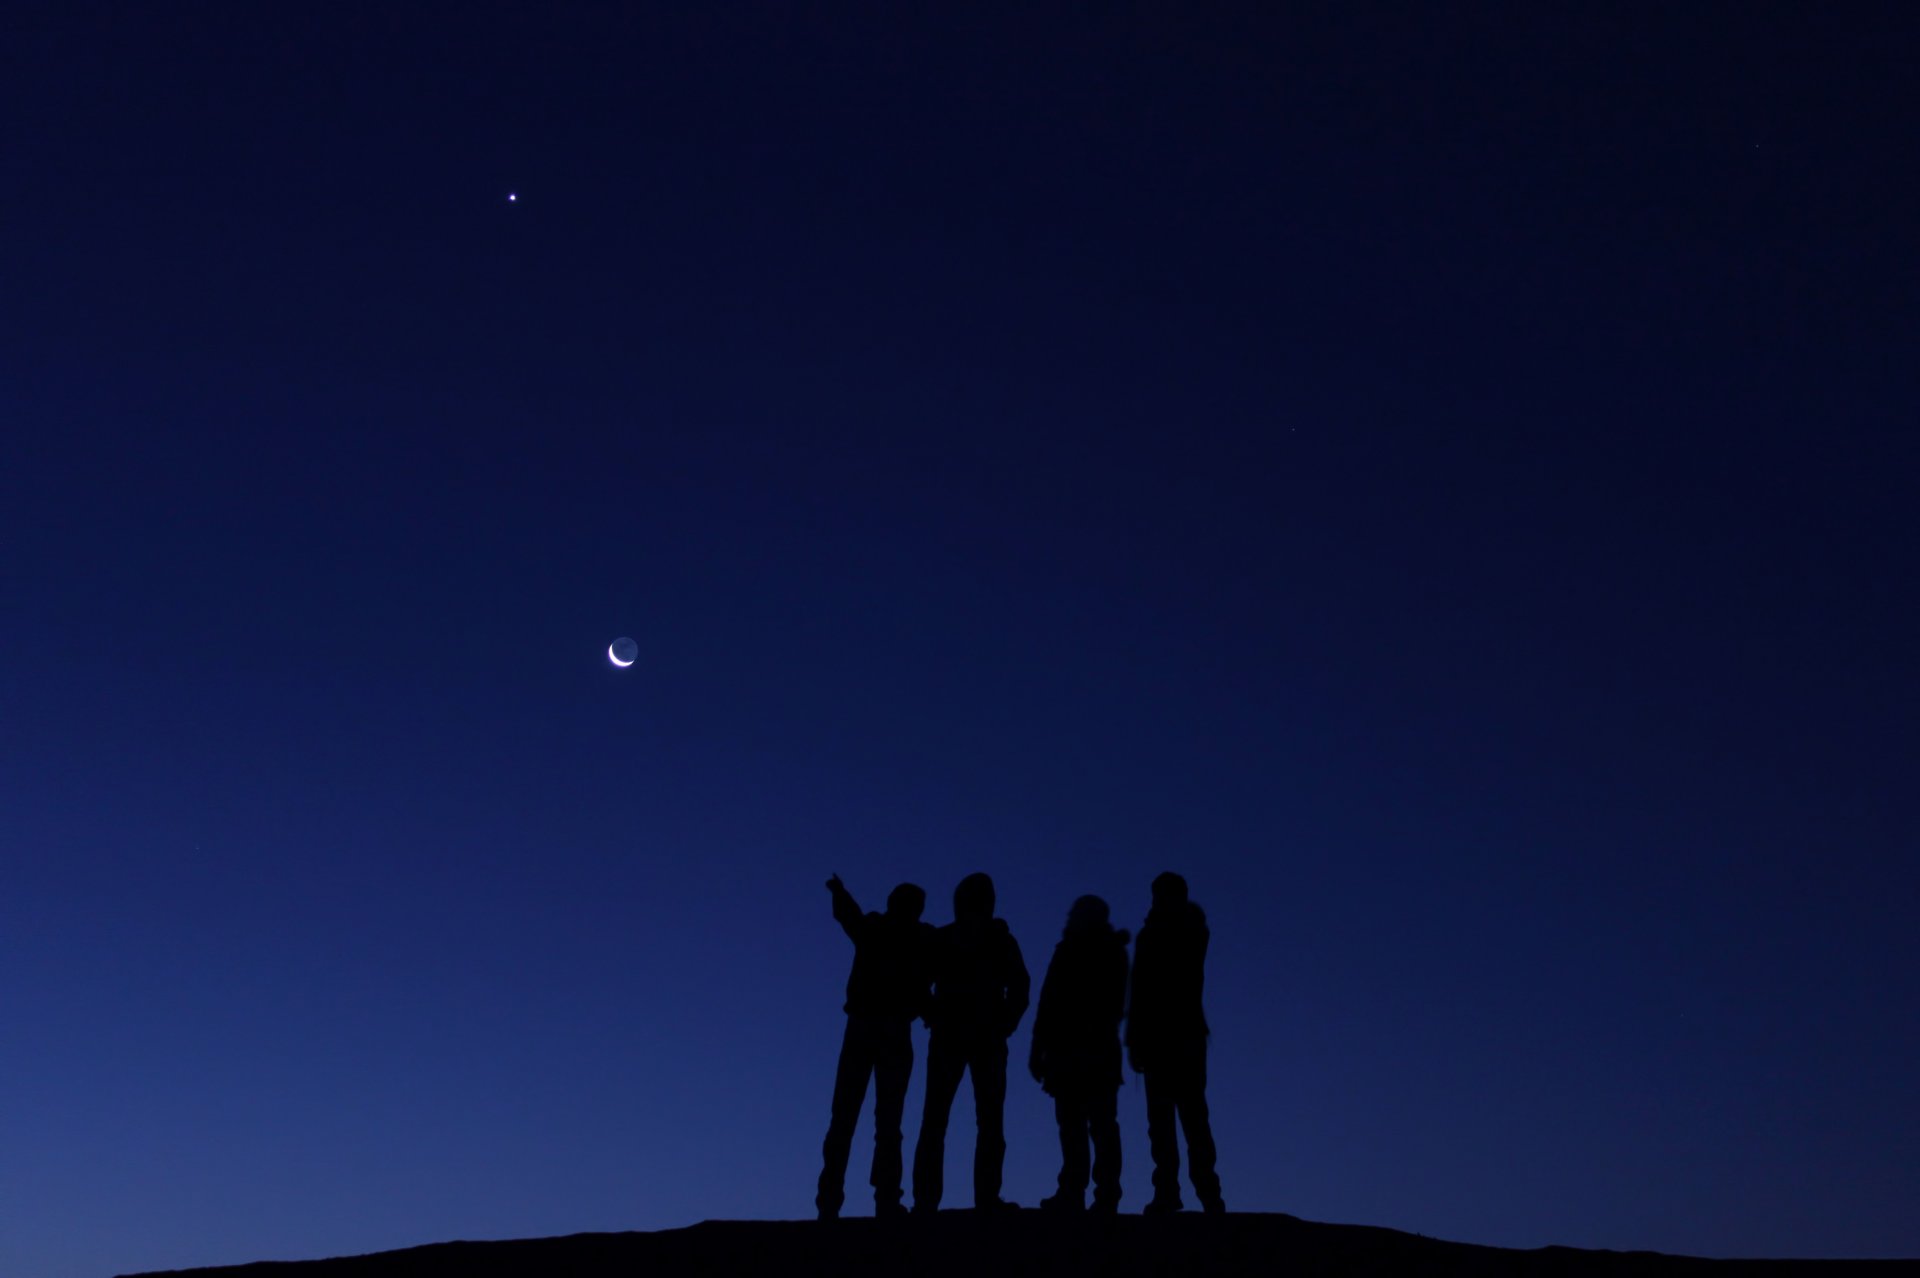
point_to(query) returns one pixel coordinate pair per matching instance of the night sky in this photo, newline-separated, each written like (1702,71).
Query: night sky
(1445,483)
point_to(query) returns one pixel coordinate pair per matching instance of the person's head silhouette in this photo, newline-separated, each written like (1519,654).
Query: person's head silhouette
(1089,914)
(973,899)
(906,902)
(1169,891)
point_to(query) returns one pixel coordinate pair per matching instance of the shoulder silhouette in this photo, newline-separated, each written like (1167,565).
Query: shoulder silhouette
(892,953)
(980,980)
(1076,1030)
(1168,978)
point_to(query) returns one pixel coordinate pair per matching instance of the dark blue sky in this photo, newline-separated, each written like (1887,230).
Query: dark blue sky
(1444,483)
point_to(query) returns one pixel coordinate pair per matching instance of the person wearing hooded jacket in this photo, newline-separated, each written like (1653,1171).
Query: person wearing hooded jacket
(886,990)
(1167,1041)
(980,992)
(1076,1053)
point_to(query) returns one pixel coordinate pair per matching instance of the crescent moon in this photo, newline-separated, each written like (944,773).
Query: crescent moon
(615,660)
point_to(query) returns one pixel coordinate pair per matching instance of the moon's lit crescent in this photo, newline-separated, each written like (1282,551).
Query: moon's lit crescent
(615,660)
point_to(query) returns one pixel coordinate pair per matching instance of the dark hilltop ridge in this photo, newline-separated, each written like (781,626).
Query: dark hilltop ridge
(1016,1244)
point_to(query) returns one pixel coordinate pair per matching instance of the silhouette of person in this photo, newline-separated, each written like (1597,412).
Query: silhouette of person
(980,992)
(1076,1053)
(885,991)
(1167,1041)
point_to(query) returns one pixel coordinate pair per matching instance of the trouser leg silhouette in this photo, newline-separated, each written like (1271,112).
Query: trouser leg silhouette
(946,1062)
(1070,1111)
(1180,1086)
(1195,1122)
(1163,1138)
(988,1061)
(1103,1128)
(892,1066)
(849,1094)
(882,1050)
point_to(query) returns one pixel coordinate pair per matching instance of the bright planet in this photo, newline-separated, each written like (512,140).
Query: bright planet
(623,651)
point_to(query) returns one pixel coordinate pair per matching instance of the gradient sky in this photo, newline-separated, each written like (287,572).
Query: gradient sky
(1444,483)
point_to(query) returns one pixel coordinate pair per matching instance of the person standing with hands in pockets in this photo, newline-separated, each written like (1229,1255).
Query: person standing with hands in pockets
(980,992)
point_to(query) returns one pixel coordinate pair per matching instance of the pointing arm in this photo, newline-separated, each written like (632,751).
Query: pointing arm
(846,910)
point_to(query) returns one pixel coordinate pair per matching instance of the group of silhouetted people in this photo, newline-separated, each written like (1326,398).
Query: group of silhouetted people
(969,983)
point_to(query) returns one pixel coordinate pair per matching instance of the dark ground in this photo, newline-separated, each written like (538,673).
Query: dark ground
(958,1244)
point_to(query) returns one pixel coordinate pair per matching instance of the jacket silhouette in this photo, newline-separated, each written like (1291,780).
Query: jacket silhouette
(886,990)
(1076,1052)
(1167,1041)
(980,992)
